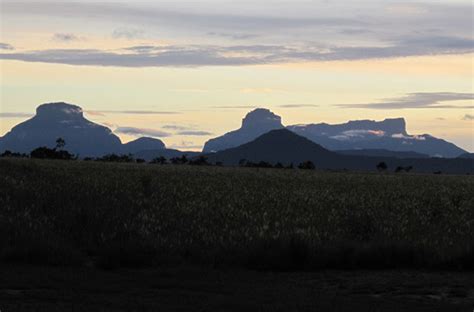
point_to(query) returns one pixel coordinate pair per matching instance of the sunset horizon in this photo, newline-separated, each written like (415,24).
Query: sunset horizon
(203,67)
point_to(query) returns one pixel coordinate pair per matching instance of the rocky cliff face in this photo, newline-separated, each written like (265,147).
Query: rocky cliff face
(255,123)
(388,134)
(54,120)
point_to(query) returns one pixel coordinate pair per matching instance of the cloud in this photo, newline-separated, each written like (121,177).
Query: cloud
(357,133)
(235,107)
(418,100)
(63,37)
(175,127)
(468,117)
(142,132)
(127,33)
(6,46)
(15,115)
(411,137)
(233,36)
(94,113)
(297,105)
(194,133)
(259,90)
(131,112)
(213,55)
(186,145)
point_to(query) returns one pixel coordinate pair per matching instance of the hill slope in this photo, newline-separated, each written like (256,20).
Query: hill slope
(254,124)
(286,147)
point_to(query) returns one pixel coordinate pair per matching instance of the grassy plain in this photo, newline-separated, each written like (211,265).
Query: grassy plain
(77,217)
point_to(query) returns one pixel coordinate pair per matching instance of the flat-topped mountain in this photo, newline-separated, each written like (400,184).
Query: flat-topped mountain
(54,120)
(254,124)
(389,134)
(355,129)
(143,144)
(286,147)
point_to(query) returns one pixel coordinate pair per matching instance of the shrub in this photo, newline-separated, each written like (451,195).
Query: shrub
(307,165)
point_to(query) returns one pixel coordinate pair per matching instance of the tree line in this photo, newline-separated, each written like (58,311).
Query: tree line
(58,152)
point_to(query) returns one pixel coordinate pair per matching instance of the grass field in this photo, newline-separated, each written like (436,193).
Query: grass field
(137,215)
(88,236)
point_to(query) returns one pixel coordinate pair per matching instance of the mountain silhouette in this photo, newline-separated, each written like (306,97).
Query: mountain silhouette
(382,153)
(287,147)
(142,144)
(275,146)
(54,120)
(467,156)
(255,123)
(389,134)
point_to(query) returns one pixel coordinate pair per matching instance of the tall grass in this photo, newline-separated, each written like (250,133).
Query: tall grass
(115,215)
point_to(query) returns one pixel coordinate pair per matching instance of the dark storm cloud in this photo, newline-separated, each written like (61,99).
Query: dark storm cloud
(418,100)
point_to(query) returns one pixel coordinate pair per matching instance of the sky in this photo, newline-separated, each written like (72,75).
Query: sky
(187,71)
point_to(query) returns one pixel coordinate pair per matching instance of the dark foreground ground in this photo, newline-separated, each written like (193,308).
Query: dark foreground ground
(27,288)
(88,236)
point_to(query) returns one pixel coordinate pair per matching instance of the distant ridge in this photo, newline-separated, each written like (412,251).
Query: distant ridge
(142,144)
(467,156)
(286,147)
(382,153)
(389,134)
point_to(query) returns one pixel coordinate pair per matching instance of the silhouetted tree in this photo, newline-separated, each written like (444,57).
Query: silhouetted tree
(264,164)
(8,153)
(406,169)
(159,160)
(382,166)
(219,163)
(307,165)
(179,160)
(243,162)
(60,143)
(279,165)
(290,166)
(50,153)
(140,161)
(116,158)
(199,161)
